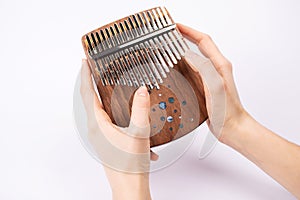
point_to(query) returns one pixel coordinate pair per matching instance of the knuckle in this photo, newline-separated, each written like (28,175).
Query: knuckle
(207,37)
(225,65)
(228,65)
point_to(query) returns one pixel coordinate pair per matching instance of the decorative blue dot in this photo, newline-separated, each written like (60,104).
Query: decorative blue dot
(171,129)
(171,100)
(169,119)
(153,109)
(175,111)
(184,103)
(162,105)
(180,125)
(154,126)
(162,118)
(169,86)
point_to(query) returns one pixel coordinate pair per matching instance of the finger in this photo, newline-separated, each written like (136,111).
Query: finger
(204,42)
(140,108)
(89,97)
(86,79)
(139,121)
(207,47)
(214,90)
(153,156)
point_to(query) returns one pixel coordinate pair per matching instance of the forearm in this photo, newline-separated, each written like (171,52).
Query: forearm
(129,186)
(126,194)
(276,156)
(139,193)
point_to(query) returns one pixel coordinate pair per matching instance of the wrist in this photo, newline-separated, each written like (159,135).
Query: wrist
(236,129)
(132,186)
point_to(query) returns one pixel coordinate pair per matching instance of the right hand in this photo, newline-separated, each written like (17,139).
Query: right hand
(225,111)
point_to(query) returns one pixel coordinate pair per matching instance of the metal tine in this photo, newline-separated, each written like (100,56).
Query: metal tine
(130,55)
(180,45)
(114,60)
(161,17)
(117,41)
(123,36)
(132,28)
(133,67)
(138,63)
(167,18)
(172,46)
(107,71)
(163,46)
(181,40)
(161,51)
(119,33)
(128,35)
(106,60)
(151,63)
(126,63)
(138,28)
(90,47)
(148,26)
(141,53)
(166,40)
(103,63)
(142,23)
(176,44)
(152,23)
(151,69)
(166,15)
(152,51)
(119,38)
(166,36)
(140,67)
(169,22)
(145,52)
(116,72)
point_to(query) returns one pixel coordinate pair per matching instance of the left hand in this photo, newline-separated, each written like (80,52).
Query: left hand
(124,152)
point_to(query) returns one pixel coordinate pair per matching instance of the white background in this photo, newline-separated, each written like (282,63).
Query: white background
(40,50)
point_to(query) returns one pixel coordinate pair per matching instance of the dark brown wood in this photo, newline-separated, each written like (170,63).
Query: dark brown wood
(183,84)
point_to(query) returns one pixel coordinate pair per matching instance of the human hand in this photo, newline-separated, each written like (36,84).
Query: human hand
(225,111)
(124,152)
(233,126)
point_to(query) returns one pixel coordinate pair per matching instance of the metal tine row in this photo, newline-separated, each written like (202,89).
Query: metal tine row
(92,51)
(149,49)
(177,35)
(112,69)
(106,68)
(144,63)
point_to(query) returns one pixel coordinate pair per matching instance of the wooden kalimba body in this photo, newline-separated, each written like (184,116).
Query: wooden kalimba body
(147,49)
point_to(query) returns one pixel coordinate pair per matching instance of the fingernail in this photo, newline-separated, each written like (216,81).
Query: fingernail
(142,91)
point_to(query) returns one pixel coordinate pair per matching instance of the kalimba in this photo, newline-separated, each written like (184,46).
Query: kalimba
(147,49)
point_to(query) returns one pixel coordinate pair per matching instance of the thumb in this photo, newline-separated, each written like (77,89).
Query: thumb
(139,122)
